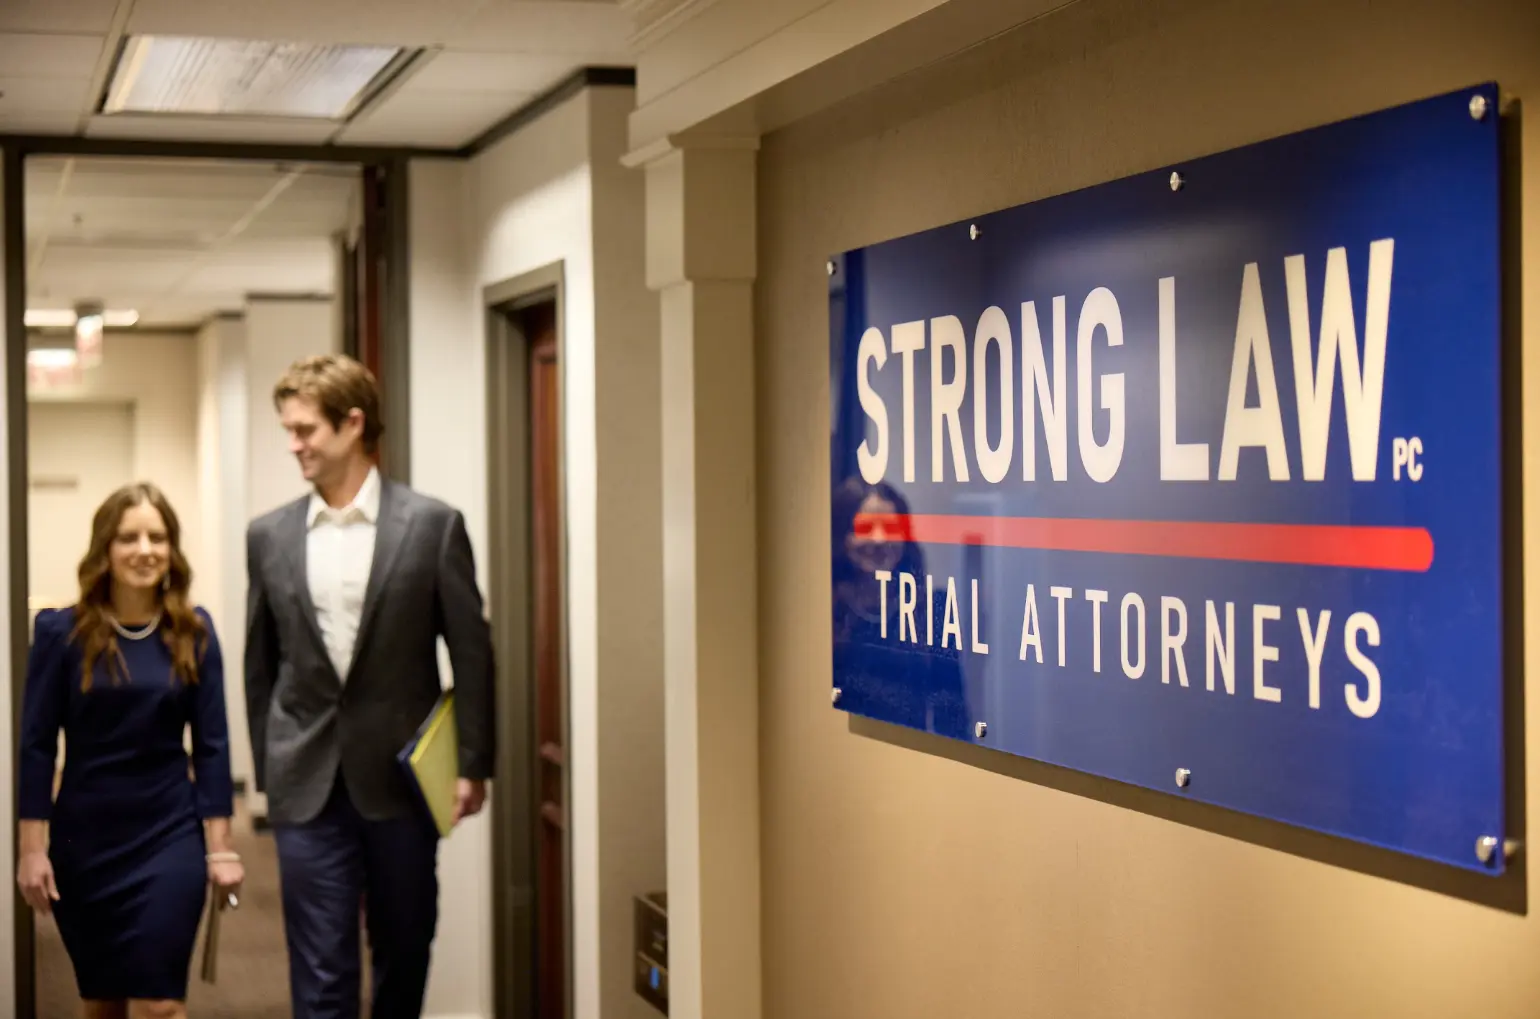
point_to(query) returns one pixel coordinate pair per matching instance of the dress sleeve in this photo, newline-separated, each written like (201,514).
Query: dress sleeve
(44,704)
(211,732)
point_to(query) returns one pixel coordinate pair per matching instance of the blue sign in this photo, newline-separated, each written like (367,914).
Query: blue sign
(1195,480)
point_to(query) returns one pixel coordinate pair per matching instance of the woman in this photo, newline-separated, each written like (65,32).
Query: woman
(124,855)
(879,674)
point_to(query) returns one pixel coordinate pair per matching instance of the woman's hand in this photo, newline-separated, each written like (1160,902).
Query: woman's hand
(34,876)
(226,873)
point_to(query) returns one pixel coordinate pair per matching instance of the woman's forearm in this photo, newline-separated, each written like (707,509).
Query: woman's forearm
(32,837)
(217,834)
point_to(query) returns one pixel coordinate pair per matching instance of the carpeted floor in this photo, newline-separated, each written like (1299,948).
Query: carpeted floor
(253,965)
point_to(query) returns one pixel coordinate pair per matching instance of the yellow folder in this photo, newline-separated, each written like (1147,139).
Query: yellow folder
(432,762)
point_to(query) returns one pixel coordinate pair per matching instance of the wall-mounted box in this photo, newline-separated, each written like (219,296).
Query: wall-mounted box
(651,937)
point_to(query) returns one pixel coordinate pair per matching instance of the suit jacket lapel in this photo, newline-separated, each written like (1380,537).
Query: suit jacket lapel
(389,535)
(296,538)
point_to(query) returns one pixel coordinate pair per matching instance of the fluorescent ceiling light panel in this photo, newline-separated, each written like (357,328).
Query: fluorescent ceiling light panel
(50,318)
(52,357)
(212,77)
(64,318)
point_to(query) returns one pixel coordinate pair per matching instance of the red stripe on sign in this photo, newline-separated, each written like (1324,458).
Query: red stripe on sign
(1407,549)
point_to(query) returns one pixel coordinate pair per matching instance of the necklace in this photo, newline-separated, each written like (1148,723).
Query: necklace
(139,634)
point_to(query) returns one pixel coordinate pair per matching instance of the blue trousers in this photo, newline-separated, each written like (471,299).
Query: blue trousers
(327,867)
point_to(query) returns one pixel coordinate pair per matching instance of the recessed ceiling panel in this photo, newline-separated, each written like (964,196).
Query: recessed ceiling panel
(222,77)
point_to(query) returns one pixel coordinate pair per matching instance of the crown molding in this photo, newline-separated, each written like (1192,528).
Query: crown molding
(687,141)
(654,19)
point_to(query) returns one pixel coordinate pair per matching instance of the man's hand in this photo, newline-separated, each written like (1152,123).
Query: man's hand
(470,795)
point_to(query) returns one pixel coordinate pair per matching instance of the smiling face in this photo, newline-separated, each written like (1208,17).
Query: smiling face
(140,553)
(324,452)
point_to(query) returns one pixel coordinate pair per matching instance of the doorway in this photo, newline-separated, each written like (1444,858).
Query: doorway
(539,326)
(128,282)
(531,837)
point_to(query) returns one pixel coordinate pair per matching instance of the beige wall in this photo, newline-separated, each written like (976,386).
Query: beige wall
(555,192)
(78,453)
(157,373)
(898,884)
(448,462)
(628,706)
(223,426)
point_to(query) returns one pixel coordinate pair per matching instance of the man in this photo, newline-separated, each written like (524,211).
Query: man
(351,588)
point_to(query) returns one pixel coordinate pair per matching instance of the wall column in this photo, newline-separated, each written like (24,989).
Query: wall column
(701,261)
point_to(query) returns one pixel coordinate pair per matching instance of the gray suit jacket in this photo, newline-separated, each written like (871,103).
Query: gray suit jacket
(306,723)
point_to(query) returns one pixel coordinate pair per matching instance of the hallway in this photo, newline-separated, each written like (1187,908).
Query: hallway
(253,969)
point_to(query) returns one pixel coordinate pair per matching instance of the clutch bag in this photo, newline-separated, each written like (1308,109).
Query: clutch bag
(218,902)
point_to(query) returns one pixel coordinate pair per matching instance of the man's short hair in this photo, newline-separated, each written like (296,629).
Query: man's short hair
(337,384)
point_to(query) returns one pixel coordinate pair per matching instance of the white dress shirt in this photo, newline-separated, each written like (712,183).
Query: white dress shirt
(339,551)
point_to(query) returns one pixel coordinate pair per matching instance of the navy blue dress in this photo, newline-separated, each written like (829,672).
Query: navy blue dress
(126,831)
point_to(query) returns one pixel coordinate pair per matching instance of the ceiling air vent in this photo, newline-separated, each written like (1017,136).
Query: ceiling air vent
(163,74)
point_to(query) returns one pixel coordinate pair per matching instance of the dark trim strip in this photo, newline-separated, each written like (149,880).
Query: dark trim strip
(15,340)
(277,295)
(395,324)
(577,81)
(73,145)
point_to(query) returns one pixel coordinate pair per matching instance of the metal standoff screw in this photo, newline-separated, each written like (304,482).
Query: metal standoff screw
(1183,777)
(980,729)
(1486,848)
(973,232)
(1478,107)
(1177,181)
(834,696)
(829,267)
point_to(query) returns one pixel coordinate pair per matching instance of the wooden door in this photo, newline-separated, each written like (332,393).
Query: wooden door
(549,667)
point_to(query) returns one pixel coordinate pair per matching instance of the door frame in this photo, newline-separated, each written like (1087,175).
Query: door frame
(509,523)
(393,166)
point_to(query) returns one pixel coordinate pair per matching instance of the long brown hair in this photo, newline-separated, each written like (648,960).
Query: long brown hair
(181,629)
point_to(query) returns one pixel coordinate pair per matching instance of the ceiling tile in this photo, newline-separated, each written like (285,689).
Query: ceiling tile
(593,32)
(461,71)
(402,22)
(432,118)
(90,273)
(211,129)
(49,56)
(89,17)
(43,95)
(153,232)
(57,122)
